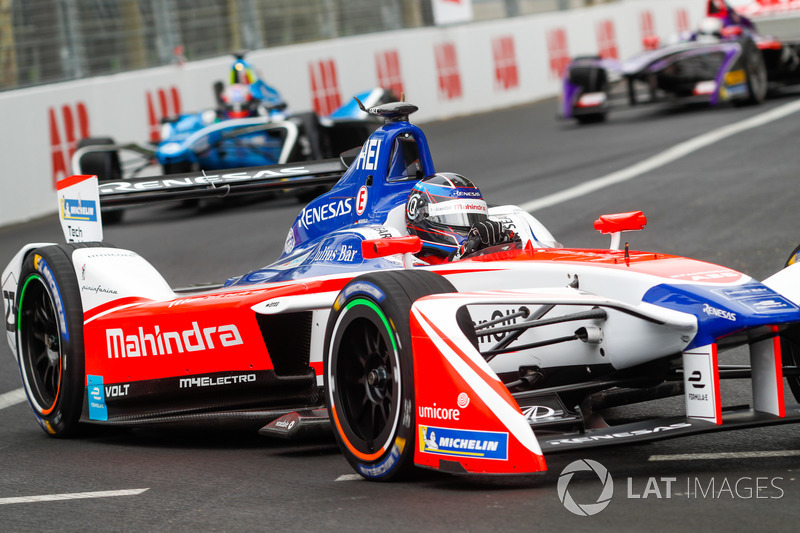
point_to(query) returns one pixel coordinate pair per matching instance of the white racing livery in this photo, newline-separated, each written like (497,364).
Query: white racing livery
(481,365)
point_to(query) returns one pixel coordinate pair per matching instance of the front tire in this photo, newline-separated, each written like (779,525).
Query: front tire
(756,74)
(369,370)
(50,339)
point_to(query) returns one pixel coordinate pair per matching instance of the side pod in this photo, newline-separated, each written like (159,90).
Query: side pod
(466,420)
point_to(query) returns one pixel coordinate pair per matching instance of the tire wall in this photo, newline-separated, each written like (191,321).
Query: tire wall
(446,71)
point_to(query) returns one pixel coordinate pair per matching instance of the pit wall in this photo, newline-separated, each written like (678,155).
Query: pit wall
(446,71)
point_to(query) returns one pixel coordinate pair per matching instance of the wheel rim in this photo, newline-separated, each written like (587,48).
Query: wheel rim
(41,344)
(367,394)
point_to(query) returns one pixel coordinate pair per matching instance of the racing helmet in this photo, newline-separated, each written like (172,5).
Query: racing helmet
(441,209)
(238,100)
(710,28)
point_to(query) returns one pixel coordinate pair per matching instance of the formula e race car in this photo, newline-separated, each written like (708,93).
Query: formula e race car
(481,365)
(251,126)
(725,60)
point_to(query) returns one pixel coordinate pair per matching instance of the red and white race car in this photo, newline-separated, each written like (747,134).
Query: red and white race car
(483,365)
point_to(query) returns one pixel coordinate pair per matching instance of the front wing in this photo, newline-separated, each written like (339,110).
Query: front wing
(468,421)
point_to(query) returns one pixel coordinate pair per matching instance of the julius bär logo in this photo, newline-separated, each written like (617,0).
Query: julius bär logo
(585,509)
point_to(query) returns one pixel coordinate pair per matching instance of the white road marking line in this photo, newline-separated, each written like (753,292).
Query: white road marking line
(12,398)
(349,477)
(724,455)
(676,152)
(72,496)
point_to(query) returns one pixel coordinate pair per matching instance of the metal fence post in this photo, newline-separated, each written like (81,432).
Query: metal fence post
(73,63)
(167,30)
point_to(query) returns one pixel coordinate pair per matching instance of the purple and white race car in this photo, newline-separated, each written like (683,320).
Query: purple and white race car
(725,60)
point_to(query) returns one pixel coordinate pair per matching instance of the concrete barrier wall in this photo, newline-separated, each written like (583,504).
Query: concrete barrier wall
(445,71)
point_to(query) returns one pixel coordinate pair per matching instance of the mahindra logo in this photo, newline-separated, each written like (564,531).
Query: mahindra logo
(141,344)
(537,412)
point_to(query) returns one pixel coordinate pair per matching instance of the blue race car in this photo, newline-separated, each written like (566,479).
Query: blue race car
(251,126)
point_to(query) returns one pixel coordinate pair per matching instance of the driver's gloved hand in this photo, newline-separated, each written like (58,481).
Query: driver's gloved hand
(490,233)
(481,235)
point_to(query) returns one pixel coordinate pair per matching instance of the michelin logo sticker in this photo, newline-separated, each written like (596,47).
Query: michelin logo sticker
(79,210)
(463,443)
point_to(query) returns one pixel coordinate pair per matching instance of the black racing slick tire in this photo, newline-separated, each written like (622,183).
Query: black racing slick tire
(591,79)
(756,69)
(106,166)
(591,118)
(369,372)
(50,338)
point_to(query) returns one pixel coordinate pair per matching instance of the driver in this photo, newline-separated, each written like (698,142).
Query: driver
(448,213)
(238,101)
(710,30)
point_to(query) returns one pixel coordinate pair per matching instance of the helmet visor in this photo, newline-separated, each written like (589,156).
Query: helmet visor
(458,213)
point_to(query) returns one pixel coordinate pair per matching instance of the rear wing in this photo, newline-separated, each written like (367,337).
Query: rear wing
(192,185)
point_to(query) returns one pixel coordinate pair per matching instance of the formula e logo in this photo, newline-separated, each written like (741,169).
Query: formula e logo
(586,509)
(696,379)
(361,200)
(719,313)
(119,344)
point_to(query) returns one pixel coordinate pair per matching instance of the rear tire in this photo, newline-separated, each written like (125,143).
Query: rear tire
(104,165)
(594,118)
(50,339)
(591,79)
(367,348)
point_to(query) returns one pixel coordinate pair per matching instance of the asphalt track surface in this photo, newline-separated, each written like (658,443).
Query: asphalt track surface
(732,203)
